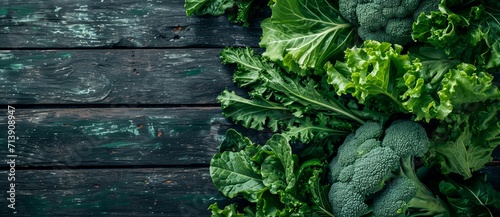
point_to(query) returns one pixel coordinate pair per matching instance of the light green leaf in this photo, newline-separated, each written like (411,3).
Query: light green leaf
(228,211)
(339,76)
(305,32)
(372,75)
(470,34)
(466,84)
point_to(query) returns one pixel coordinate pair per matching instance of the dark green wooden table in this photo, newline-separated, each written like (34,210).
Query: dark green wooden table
(115,106)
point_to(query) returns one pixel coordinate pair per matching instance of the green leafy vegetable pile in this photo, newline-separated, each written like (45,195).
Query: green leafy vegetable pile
(366,100)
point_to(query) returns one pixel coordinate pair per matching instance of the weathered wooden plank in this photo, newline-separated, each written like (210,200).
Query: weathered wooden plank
(170,76)
(115,23)
(162,192)
(119,192)
(118,136)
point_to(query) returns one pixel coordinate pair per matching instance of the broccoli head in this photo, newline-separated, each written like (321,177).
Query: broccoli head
(377,166)
(385,20)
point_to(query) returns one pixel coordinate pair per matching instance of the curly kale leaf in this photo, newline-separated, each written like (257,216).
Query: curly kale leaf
(300,108)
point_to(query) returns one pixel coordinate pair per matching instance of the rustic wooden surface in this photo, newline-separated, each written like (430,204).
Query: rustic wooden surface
(116,106)
(120,136)
(158,192)
(112,76)
(115,24)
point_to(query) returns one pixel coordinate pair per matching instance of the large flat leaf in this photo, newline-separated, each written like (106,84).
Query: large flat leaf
(233,173)
(305,33)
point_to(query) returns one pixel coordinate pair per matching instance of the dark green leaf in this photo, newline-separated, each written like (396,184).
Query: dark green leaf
(473,198)
(256,113)
(234,142)
(234,173)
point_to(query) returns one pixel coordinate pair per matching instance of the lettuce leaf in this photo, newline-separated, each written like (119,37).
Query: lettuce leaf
(436,97)
(228,211)
(469,33)
(425,82)
(305,33)
(371,74)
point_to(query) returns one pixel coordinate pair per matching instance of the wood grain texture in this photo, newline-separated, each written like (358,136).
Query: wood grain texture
(116,23)
(102,137)
(117,76)
(174,192)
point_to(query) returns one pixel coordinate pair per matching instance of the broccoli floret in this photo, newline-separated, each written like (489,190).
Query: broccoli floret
(367,146)
(367,131)
(404,195)
(383,173)
(385,20)
(373,169)
(393,200)
(355,146)
(345,175)
(352,204)
(413,143)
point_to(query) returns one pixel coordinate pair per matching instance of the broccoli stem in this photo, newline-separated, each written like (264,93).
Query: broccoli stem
(424,203)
